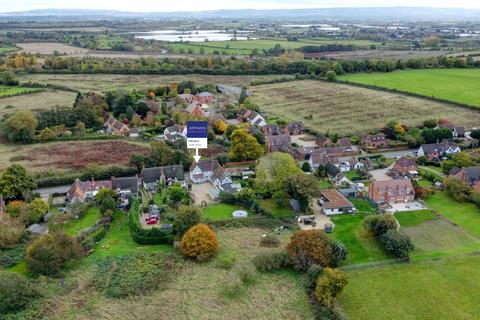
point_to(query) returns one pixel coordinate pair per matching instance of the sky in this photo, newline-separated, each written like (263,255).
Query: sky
(198,5)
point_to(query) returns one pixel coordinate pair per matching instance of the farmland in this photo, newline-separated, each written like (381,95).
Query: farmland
(7,49)
(32,101)
(456,85)
(7,91)
(69,155)
(345,109)
(247,46)
(50,48)
(102,82)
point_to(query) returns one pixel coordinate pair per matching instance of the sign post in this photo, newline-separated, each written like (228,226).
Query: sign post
(197,136)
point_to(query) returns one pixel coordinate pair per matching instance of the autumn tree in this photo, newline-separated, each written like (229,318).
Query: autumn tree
(20,127)
(245,146)
(199,243)
(330,286)
(220,126)
(309,247)
(273,171)
(16,182)
(38,208)
(186,218)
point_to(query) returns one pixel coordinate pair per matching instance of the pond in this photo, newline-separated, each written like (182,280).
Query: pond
(192,35)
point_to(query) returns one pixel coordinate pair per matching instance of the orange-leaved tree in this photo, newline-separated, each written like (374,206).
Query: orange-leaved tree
(199,243)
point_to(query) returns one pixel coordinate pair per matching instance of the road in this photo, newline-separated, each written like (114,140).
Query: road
(388,154)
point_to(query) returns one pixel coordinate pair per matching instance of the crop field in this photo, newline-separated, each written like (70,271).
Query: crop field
(8,49)
(196,293)
(433,289)
(345,109)
(68,156)
(50,48)
(7,91)
(247,46)
(32,101)
(102,82)
(456,85)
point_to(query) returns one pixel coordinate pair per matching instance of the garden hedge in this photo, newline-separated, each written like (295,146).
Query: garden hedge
(146,236)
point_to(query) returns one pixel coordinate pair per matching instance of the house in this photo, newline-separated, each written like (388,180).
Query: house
(391,191)
(322,141)
(294,128)
(196,110)
(257,120)
(2,206)
(405,166)
(205,97)
(278,143)
(125,186)
(436,151)
(303,153)
(333,202)
(167,175)
(223,181)
(115,127)
(344,166)
(345,143)
(134,133)
(335,174)
(457,131)
(337,151)
(271,130)
(175,132)
(203,170)
(355,164)
(318,159)
(81,191)
(350,192)
(375,141)
(187,97)
(471,176)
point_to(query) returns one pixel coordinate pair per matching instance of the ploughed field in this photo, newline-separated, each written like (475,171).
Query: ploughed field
(456,85)
(346,109)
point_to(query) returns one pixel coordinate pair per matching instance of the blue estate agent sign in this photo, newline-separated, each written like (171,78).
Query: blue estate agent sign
(197,129)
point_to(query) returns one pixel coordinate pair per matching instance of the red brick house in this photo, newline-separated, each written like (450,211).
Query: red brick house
(323,141)
(391,191)
(115,127)
(471,176)
(375,141)
(294,128)
(205,97)
(405,166)
(271,130)
(279,143)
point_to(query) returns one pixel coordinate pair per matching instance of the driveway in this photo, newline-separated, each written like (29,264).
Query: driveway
(380,174)
(46,192)
(320,218)
(304,140)
(200,192)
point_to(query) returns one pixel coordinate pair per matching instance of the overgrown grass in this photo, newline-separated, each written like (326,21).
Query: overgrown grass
(456,85)
(282,211)
(88,220)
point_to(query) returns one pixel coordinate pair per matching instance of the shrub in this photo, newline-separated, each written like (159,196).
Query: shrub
(245,274)
(11,257)
(329,286)
(49,253)
(16,292)
(309,247)
(199,243)
(457,189)
(269,241)
(339,254)
(226,259)
(10,234)
(186,218)
(379,224)
(38,208)
(145,236)
(14,208)
(269,261)
(310,278)
(121,277)
(396,243)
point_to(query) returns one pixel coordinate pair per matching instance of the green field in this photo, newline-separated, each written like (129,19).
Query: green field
(442,289)
(8,49)
(247,46)
(465,214)
(220,211)
(7,91)
(346,109)
(75,227)
(456,85)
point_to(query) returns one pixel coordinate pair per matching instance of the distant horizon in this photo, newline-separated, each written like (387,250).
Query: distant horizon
(145,6)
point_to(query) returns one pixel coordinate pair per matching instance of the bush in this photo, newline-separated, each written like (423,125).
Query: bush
(269,261)
(186,218)
(309,247)
(269,241)
(49,253)
(199,243)
(339,254)
(145,236)
(226,259)
(133,275)
(329,286)
(380,224)
(16,292)
(10,234)
(11,257)
(310,278)
(396,243)
(38,208)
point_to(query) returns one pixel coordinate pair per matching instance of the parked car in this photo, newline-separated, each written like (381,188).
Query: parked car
(152,221)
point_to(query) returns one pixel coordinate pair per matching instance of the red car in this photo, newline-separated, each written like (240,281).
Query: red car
(152,221)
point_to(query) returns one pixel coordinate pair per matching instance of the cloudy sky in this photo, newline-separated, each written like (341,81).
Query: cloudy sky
(196,5)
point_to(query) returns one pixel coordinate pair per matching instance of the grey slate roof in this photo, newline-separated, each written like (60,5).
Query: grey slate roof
(125,183)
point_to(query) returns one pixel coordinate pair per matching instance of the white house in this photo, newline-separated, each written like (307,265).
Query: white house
(333,202)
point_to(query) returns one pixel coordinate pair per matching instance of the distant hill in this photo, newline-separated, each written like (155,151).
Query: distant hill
(352,14)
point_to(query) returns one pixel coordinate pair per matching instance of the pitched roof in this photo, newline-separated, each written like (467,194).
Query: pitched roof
(206,165)
(334,199)
(472,174)
(125,183)
(345,142)
(150,175)
(279,140)
(319,158)
(405,162)
(374,137)
(205,94)
(438,147)
(397,187)
(218,173)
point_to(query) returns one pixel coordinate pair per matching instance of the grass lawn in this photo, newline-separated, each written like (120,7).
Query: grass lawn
(283,211)
(7,91)
(325,106)
(413,218)
(325,184)
(88,220)
(362,205)
(441,289)
(456,85)
(361,245)
(221,211)
(425,183)
(466,215)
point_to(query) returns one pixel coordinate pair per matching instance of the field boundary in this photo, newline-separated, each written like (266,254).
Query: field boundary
(407,93)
